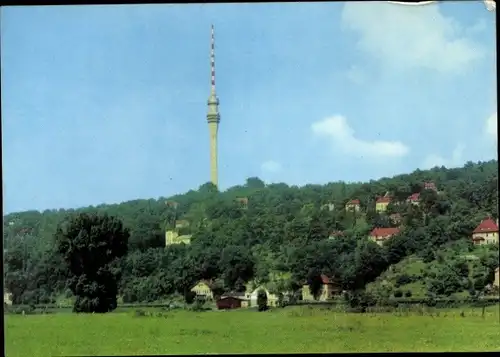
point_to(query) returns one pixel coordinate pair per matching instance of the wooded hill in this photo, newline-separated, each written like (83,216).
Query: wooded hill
(275,234)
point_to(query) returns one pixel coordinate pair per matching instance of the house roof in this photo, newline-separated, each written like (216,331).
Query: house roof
(384,232)
(383,199)
(236,294)
(206,282)
(227,297)
(486,226)
(353,202)
(414,197)
(325,279)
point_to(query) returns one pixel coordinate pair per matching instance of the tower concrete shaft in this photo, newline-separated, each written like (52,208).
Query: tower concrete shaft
(213,117)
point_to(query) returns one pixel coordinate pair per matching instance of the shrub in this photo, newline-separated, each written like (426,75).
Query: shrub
(199,305)
(408,294)
(262,300)
(281,300)
(139,313)
(430,300)
(398,293)
(403,279)
(190,296)
(360,300)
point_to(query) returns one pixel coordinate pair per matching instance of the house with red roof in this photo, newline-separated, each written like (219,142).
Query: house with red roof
(382,203)
(353,205)
(414,199)
(380,235)
(486,232)
(329,288)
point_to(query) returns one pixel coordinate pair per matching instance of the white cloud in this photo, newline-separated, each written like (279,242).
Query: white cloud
(455,160)
(491,127)
(410,36)
(342,136)
(270,166)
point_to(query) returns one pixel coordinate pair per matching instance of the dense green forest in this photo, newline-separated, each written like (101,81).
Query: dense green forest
(281,237)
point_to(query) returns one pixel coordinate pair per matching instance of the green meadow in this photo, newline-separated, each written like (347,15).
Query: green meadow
(295,329)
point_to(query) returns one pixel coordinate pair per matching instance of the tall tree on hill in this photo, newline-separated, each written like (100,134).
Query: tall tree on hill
(91,245)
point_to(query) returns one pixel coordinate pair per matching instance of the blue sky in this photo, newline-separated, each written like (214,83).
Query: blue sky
(103,104)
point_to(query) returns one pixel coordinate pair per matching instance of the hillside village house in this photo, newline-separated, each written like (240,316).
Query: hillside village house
(7,298)
(486,232)
(414,199)
(380,235)
(233,300)
(272,299)
(330,287)
(497,278)
(227,302)
(382,203)
(173,237)
(203,290)
(353,205)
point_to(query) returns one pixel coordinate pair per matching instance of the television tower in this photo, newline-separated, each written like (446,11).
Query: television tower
(213,117)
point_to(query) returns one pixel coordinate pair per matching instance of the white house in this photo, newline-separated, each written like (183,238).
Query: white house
(7,298)
(272,299)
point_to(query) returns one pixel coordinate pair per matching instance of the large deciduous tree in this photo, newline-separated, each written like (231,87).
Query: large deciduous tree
(91,245)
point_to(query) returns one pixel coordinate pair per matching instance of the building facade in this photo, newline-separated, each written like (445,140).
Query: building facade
(202,289)
(329,289)
(173,237)
(486,232)
(353,206)
(382,203)
(380,235)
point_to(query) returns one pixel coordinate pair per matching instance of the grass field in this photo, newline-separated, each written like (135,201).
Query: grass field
(297,329)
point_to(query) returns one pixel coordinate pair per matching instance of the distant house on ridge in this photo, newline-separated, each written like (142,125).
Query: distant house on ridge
(382,203)
(353,205)
(486,232)
(380,235)
(414,199)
